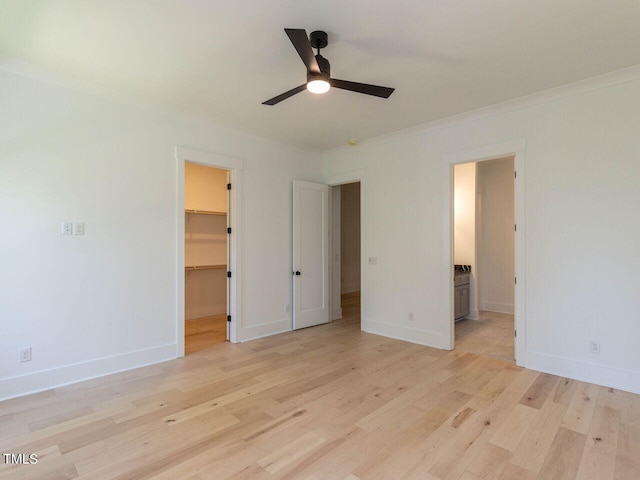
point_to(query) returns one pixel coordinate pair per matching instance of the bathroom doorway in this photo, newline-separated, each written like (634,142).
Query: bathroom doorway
(484,257)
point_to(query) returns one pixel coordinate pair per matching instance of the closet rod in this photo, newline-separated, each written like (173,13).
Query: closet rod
(205,212)
(205,267)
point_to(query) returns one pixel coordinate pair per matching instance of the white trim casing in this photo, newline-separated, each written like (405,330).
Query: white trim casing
(517,149)
(234,165)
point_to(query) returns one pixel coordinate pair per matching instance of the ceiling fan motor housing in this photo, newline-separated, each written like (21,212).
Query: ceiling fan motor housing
(325,70)
(319,39)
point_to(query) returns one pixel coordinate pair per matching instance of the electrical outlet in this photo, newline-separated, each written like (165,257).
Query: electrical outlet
(67,228)
(594,347)
(25,355)
(411,316)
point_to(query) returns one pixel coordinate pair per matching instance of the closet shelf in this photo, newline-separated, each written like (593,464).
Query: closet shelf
(206,212)
(190,268)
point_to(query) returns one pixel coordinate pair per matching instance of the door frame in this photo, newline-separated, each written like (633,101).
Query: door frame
(517,150)
(234,166)
(334,181)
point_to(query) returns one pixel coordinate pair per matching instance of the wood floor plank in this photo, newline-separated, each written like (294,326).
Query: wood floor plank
(625,402)
(56,419)
(490,335)
(489,463)
(537,394)
(534,447)
(513,393)
(564,391)
(287,454)
(513,472)
(394,459)
(474,435)
(202,333)
(395,407)
(398,457)
(581,408)
(564,456)
(628,453)
(510,434)
(599,454)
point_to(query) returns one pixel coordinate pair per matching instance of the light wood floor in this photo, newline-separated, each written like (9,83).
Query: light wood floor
(491,334)
(327,402)
(350,304)
(205,332)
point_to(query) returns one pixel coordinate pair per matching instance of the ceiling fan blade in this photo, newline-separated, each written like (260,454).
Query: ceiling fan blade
(302,45)
(285,95)
(365,88)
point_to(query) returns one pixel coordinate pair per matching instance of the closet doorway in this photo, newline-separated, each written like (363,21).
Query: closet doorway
(206,254)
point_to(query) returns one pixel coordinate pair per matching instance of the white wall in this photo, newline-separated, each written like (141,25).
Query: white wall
(464,225)
(205,188)
(350,237)
(496,252)
(582,165)
(106,301)
(464,231)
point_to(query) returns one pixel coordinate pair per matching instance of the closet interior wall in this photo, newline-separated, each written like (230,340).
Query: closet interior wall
(205,241)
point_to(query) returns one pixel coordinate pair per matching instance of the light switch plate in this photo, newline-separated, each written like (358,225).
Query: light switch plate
(78,228)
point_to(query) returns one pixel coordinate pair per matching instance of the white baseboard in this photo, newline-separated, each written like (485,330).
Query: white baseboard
(498,307)
(336,314)
(266,329)
(618,378)
(427,338)
(57,377)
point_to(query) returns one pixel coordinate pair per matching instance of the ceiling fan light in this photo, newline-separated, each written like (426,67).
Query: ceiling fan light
(318,86)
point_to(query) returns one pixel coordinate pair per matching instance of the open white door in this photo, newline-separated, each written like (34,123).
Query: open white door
(310,254)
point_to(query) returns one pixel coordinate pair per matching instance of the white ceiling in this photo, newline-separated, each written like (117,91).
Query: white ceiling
(220,59)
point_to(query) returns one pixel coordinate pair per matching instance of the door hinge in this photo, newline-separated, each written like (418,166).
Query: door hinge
(228,274)
(515,333)
(515,174)
(228,318)
(515,227)
(515,280)
(228,186)
(229,230)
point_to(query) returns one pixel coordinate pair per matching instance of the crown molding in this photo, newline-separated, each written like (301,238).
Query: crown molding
(568,90)
(40,74)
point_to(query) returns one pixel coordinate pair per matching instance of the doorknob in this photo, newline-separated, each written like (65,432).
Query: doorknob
(296,273)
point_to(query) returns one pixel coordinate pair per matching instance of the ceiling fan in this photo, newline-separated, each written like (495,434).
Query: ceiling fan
(319,71)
